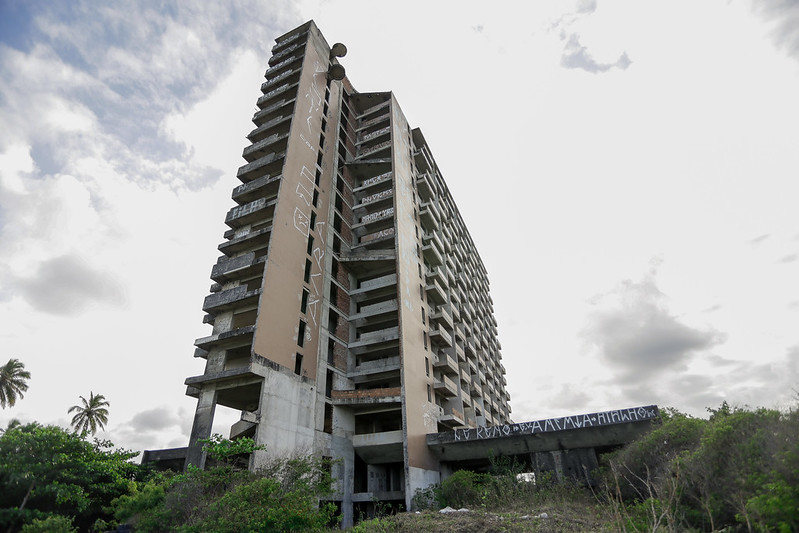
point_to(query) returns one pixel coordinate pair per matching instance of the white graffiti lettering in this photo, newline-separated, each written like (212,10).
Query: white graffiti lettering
(605,418)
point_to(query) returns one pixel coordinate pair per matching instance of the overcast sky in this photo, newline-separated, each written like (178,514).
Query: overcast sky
(627,169)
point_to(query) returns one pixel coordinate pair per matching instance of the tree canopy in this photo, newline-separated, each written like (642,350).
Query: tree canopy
(13,382)
(90,414)
(46,471)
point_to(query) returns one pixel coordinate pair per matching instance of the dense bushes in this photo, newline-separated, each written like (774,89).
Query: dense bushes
(48,473)
(739,469)
(284,496)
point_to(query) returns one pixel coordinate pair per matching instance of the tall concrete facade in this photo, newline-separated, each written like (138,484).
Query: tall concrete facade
(350,309)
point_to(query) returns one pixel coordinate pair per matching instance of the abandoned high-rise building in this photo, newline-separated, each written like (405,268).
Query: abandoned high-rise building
(350,309)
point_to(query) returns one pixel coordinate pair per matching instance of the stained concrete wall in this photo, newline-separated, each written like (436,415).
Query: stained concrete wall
(420,413)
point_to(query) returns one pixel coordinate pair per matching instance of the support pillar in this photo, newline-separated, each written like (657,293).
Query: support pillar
(201,429)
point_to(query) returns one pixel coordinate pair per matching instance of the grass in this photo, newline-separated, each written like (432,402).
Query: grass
(566,509)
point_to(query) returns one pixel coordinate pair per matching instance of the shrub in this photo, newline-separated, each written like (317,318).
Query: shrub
(51,524)
(463,489)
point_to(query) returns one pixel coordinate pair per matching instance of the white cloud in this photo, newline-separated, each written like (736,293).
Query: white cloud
(14,162)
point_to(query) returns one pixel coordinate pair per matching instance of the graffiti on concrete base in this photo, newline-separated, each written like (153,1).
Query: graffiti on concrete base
(563,423)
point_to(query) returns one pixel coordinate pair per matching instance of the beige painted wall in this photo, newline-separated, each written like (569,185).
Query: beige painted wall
(419,413)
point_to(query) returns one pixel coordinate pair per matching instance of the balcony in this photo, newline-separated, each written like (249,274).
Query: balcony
(378,239)
(376,366)
(442,317)
(446,364)
(371,152)
(374,310)
(432,255)
(378,200)
(424,186)
(376,220)
(276,125)
(375,108)
(375,337)
(251,240)
(235,336)
(273,114)
(440,336)
(281,70)
(255,211)
(374,134)
(381,447)
(374,284)
(430,215)
(273,143)
(287,74)
(371,182)
(269,164)
(423,159)
(435,292)
(367,396)
(452,418)
(445,387)
(235,297)
(271,96)
(265,187)
(227,269)
(373,121)
(291,42)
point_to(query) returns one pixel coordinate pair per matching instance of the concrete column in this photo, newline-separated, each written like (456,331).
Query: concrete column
(201,429)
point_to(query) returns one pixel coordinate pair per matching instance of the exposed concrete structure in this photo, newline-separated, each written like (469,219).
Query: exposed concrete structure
(568,446)
(351,312)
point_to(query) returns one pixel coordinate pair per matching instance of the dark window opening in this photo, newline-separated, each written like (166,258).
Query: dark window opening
(328,428)
(301,334)
(316,198)
(304,301)
(333,293)
(307,276)
(298,364)
(310,244)
(329,384)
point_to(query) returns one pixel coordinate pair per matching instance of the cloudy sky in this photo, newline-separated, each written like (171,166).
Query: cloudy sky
(628,170)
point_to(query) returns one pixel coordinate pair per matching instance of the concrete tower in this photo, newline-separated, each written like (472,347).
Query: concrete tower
(350,309)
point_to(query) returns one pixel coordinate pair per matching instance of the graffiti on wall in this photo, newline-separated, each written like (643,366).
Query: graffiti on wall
(563,423)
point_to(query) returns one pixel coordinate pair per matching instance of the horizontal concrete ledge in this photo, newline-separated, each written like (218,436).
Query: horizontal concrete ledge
(220,338)
(167,454)
(378,495)
(367,396)
(368,255)
(377,439)
(251,370)
(607,428)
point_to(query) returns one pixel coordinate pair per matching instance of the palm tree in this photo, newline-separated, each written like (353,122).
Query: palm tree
(91,414)
(13,382)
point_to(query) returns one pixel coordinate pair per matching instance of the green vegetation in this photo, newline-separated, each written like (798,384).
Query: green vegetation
(47,472)
(13,382)
(736,471)
(90,414)
(226,497)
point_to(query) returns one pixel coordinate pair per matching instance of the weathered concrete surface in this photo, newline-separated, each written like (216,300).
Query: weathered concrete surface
(595,430)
